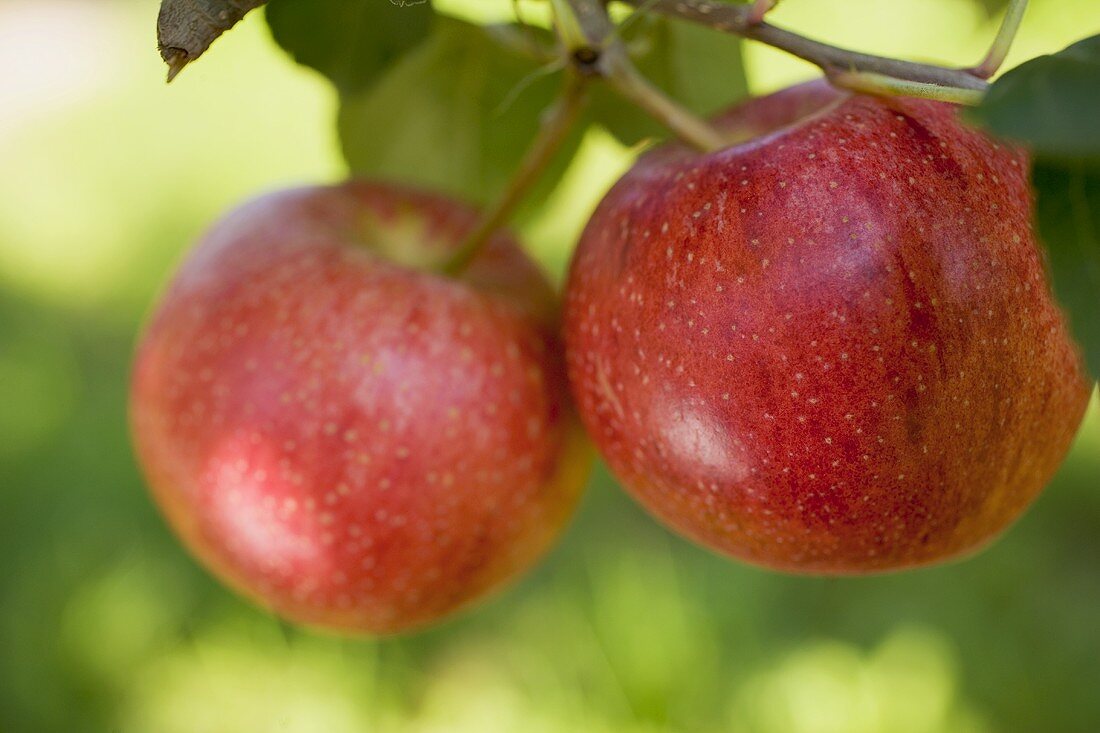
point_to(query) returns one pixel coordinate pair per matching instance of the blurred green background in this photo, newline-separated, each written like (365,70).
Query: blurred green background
(106,176)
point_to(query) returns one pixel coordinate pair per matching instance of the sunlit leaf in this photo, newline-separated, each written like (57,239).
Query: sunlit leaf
(457,113)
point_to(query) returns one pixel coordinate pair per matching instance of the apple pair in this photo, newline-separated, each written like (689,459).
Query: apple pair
(828,348)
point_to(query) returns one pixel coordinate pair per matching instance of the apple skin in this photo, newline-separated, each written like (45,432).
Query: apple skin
(355,442)
(831,348)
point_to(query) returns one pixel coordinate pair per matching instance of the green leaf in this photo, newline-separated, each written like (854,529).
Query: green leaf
(991,7)
(457,114)
(700,68)
(1051,103)
(349,41)
(1068,204)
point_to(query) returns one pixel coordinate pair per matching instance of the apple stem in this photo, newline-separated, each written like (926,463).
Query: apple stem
(690,128)
(833,60)
(557,123)
(1003,42)
(869,82)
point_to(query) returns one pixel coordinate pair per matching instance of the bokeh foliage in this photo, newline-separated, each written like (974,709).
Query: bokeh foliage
(107,625)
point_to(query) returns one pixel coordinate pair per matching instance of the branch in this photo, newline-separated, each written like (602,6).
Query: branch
(739,19)
(186,28)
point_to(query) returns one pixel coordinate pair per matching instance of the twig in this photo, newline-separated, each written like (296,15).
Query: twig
(186,28)
(738,19)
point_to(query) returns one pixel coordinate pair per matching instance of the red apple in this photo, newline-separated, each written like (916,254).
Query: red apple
(830,348)
(342,434)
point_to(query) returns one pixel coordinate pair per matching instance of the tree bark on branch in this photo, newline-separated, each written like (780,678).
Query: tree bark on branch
(738,19)
(186,28)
